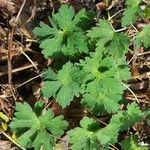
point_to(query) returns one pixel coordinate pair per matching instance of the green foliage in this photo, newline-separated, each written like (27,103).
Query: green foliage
(65,35)
(93,73)
(124,119)
(147,11)
(97,77)
(64,85)
(84,137)
(102,76)
(147,115)
(143,37)
(100,94)
(116,44)
(37,127)
(131,143)
(131,12)
(91,135)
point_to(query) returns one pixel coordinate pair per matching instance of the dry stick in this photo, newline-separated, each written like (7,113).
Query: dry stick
(10,37)
(30,80)
(114,2)
(144,53)
(116,14)
(10,46)
(114,147)
(133,99)
(122,29)
(131,92)
(18,69)
(10,41)
(30,60)
(133,57)
(134,28)
(8,137)
(19,13)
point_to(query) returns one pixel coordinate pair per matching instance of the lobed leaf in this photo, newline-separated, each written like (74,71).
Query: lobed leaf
(65,35)
(131,12)
(64,86)
(37,129)
(108,41)
(90,135)
(143,37)
(131,143)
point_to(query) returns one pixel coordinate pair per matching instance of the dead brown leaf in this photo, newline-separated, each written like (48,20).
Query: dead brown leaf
(7,145)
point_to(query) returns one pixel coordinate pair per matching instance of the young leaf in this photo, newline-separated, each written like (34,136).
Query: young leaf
(131,143)
(125,119)
(108,40)
(37,129)
(64,86)
(143,37)
(108,135)
(95,67)
(131,12)
(65,35)
(119,122)
(84,137)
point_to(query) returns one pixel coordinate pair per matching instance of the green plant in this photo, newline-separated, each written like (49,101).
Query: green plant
(143,37)
(91,135)
(93,73)
(65,35)
(131,143)
(132,11)
(38,127)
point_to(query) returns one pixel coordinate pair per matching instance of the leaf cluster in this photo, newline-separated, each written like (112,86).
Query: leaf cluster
(90,135)
(95,78)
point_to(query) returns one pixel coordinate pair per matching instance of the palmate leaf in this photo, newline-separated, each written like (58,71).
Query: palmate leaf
(104,93)
(65,35)
(108,41)
(96,67)
(131,12)
(37,128)
(83,138)
(143,37)
(91,136)
(131,143)
(119,122)
(125,119)
(64,85)
(103,77)
(122,69)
